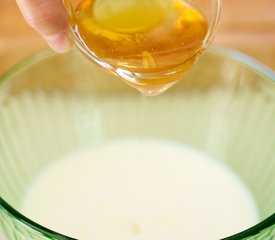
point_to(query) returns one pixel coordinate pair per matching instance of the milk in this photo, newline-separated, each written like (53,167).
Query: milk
(140,190)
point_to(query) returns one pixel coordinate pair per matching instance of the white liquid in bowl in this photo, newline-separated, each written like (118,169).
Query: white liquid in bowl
(140,190)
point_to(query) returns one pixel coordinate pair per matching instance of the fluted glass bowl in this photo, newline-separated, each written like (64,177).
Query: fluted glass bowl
(52,104)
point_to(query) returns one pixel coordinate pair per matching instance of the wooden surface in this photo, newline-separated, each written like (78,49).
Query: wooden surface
(246,25)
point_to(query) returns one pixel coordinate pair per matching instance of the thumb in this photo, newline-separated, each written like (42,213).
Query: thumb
(47,17)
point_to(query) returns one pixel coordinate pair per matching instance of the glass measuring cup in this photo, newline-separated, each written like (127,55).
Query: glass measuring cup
(236,125)
(151,59)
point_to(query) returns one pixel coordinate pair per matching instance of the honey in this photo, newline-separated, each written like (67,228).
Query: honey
(149,43)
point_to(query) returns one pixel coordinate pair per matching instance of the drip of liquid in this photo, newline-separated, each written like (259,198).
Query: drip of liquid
(150,44)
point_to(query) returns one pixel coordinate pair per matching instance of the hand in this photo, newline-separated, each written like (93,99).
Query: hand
(48,17)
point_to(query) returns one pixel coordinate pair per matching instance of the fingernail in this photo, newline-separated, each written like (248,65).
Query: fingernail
(59,42)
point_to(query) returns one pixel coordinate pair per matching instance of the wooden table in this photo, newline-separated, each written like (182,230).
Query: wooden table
(246,25)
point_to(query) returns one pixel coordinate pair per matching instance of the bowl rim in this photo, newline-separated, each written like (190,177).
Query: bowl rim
(227,53)
(230,53)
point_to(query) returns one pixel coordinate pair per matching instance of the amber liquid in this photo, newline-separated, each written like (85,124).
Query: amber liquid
(149,43)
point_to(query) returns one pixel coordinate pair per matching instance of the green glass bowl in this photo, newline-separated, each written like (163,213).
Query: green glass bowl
(53,104)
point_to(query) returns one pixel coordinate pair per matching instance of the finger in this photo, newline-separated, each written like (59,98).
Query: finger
(48,17)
